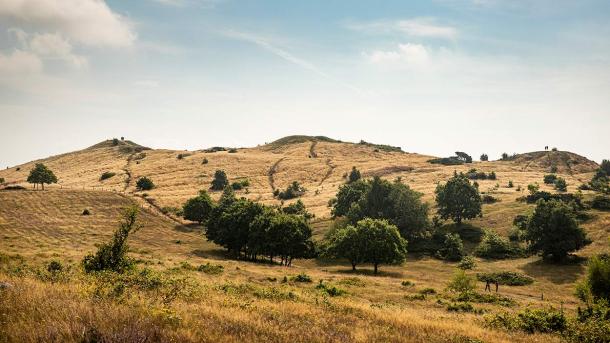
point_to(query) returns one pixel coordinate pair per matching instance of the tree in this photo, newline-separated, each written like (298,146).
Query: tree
(40,174)
(347,195)
(354,175)
(144,184)
(199,208)
(458,199)
(605,166)
(374,241)
(463,157)
(233,227)
(561,184)
(297,208)
(291,238)
(113,255)
(220,180)
(484,157)
(597,282)
(452,249)
(393,201)
(553,231)
(213,227)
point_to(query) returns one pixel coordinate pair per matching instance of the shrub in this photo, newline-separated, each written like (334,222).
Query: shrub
(330,290)
(54,267)
(144,184)
(452,248)
(115,142)
(596,285)
(462,307)
(211,269)
(297,208)
(407,283)
(553,231)
(113,255)
(205,161)
(86,212)
(484,157)
(232,151)
(354,175)
(427,291)
(239,185)
(561,185)
(495,247)
(106,175)
(463,156)
(1,180)
(220,180)
(458,199)
(199,208)
(447,161)
(601,202)
(506,278)
(510,184)
(549,179)
(492,175)
(489,199)
(302,277)
(467,263)
(462,282)
(294,190)
(530,321)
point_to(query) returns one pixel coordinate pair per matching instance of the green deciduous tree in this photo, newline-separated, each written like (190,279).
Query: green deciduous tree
(374,241)
(452,248)
(458,199)
(40,174)
(199,208)
(484,157)
(144,184)
(553,231)
(354,175)
(220,180)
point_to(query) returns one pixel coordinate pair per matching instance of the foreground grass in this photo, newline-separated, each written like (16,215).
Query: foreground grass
(184,305)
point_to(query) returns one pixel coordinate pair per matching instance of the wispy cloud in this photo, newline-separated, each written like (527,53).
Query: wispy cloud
(414,27)
(284,54)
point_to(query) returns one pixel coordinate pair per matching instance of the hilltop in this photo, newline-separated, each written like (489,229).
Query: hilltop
(319,163)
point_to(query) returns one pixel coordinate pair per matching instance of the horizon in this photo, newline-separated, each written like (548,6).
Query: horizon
(433,77)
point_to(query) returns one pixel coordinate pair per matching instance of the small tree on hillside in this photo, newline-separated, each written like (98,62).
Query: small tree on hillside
(605,166)
(372,241)
(144,184)
(458,199)
(452,249)
(220,180)
(354,175)
(463,156)
(553,231)
(40,174)
(561,184)
(199,208)
(484,157)
(113,255)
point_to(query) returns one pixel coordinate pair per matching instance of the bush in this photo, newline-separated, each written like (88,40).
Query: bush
(492,175)
(530,321)
(510,184)
(239,185)
(354,175)
(301,278)
(407,283)
(106,175)
(220,180)
(596,285)
(205,161)
(506,278)
(211,269)
(467,263)
(294,190)
(115,142)
(462,282)
(484,157)
(601,202)
(144,184)
(1,180)
(550,179)
(330,290)
(489,199)
(427,291)
(113,255)
(232,151)
(86,212)
(447,161)
(452,248)
(54,267)
(493,246)
(561,184)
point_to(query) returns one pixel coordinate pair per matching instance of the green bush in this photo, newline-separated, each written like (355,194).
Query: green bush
(220,180)
(561,184)
(204,161)
(463,307)
(199,208)
(427,291)
(467,263)
(550,179)
(1,180)
(239,185)
(294,190)
(211,269)
(601,202)
(330,290)
(489,199)
(452,248)
(54,267)
(506,278)
(493,246)
(302,277)
(407,283)
(144,184)
(510,184)
(530,321)
(113,255)
(462,282)
(484,157)
(106,175)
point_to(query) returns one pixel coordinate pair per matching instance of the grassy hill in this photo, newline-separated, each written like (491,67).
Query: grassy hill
(192,292)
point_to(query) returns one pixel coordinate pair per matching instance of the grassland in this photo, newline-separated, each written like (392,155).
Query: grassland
(250,301)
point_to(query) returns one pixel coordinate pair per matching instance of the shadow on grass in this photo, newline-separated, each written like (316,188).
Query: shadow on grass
(213,254)
(557,273)
(188,228)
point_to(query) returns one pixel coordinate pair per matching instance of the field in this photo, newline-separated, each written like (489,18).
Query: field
(251,301)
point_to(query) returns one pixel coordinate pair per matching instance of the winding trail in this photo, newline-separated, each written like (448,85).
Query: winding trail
(312,151)
(272,171)
(329,172)
(128,171)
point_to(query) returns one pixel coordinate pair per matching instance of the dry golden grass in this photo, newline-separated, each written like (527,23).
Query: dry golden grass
(49,225)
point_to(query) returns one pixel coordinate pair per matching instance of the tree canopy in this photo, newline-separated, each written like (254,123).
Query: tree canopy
(458,199)
(374,241)
(354,175)
(553,231)
(40,174)
(199,208)
(220,180)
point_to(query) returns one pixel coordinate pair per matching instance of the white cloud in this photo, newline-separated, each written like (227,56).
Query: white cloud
(54,46)
(89,22)
(415,27)
(406,54)
(19,62)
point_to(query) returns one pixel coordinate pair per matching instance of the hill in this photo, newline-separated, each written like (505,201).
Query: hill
(563,161)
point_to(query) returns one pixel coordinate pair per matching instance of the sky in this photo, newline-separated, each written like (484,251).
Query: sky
(433,77)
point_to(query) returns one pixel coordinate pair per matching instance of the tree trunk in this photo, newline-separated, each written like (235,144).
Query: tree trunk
(42,184)
(353,266)
(375,265)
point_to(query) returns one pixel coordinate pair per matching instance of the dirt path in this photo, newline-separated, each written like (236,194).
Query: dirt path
(329,172)
(312,149)
(272,171)
(128,171)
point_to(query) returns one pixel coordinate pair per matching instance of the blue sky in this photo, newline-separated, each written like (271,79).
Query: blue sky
(432,77)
